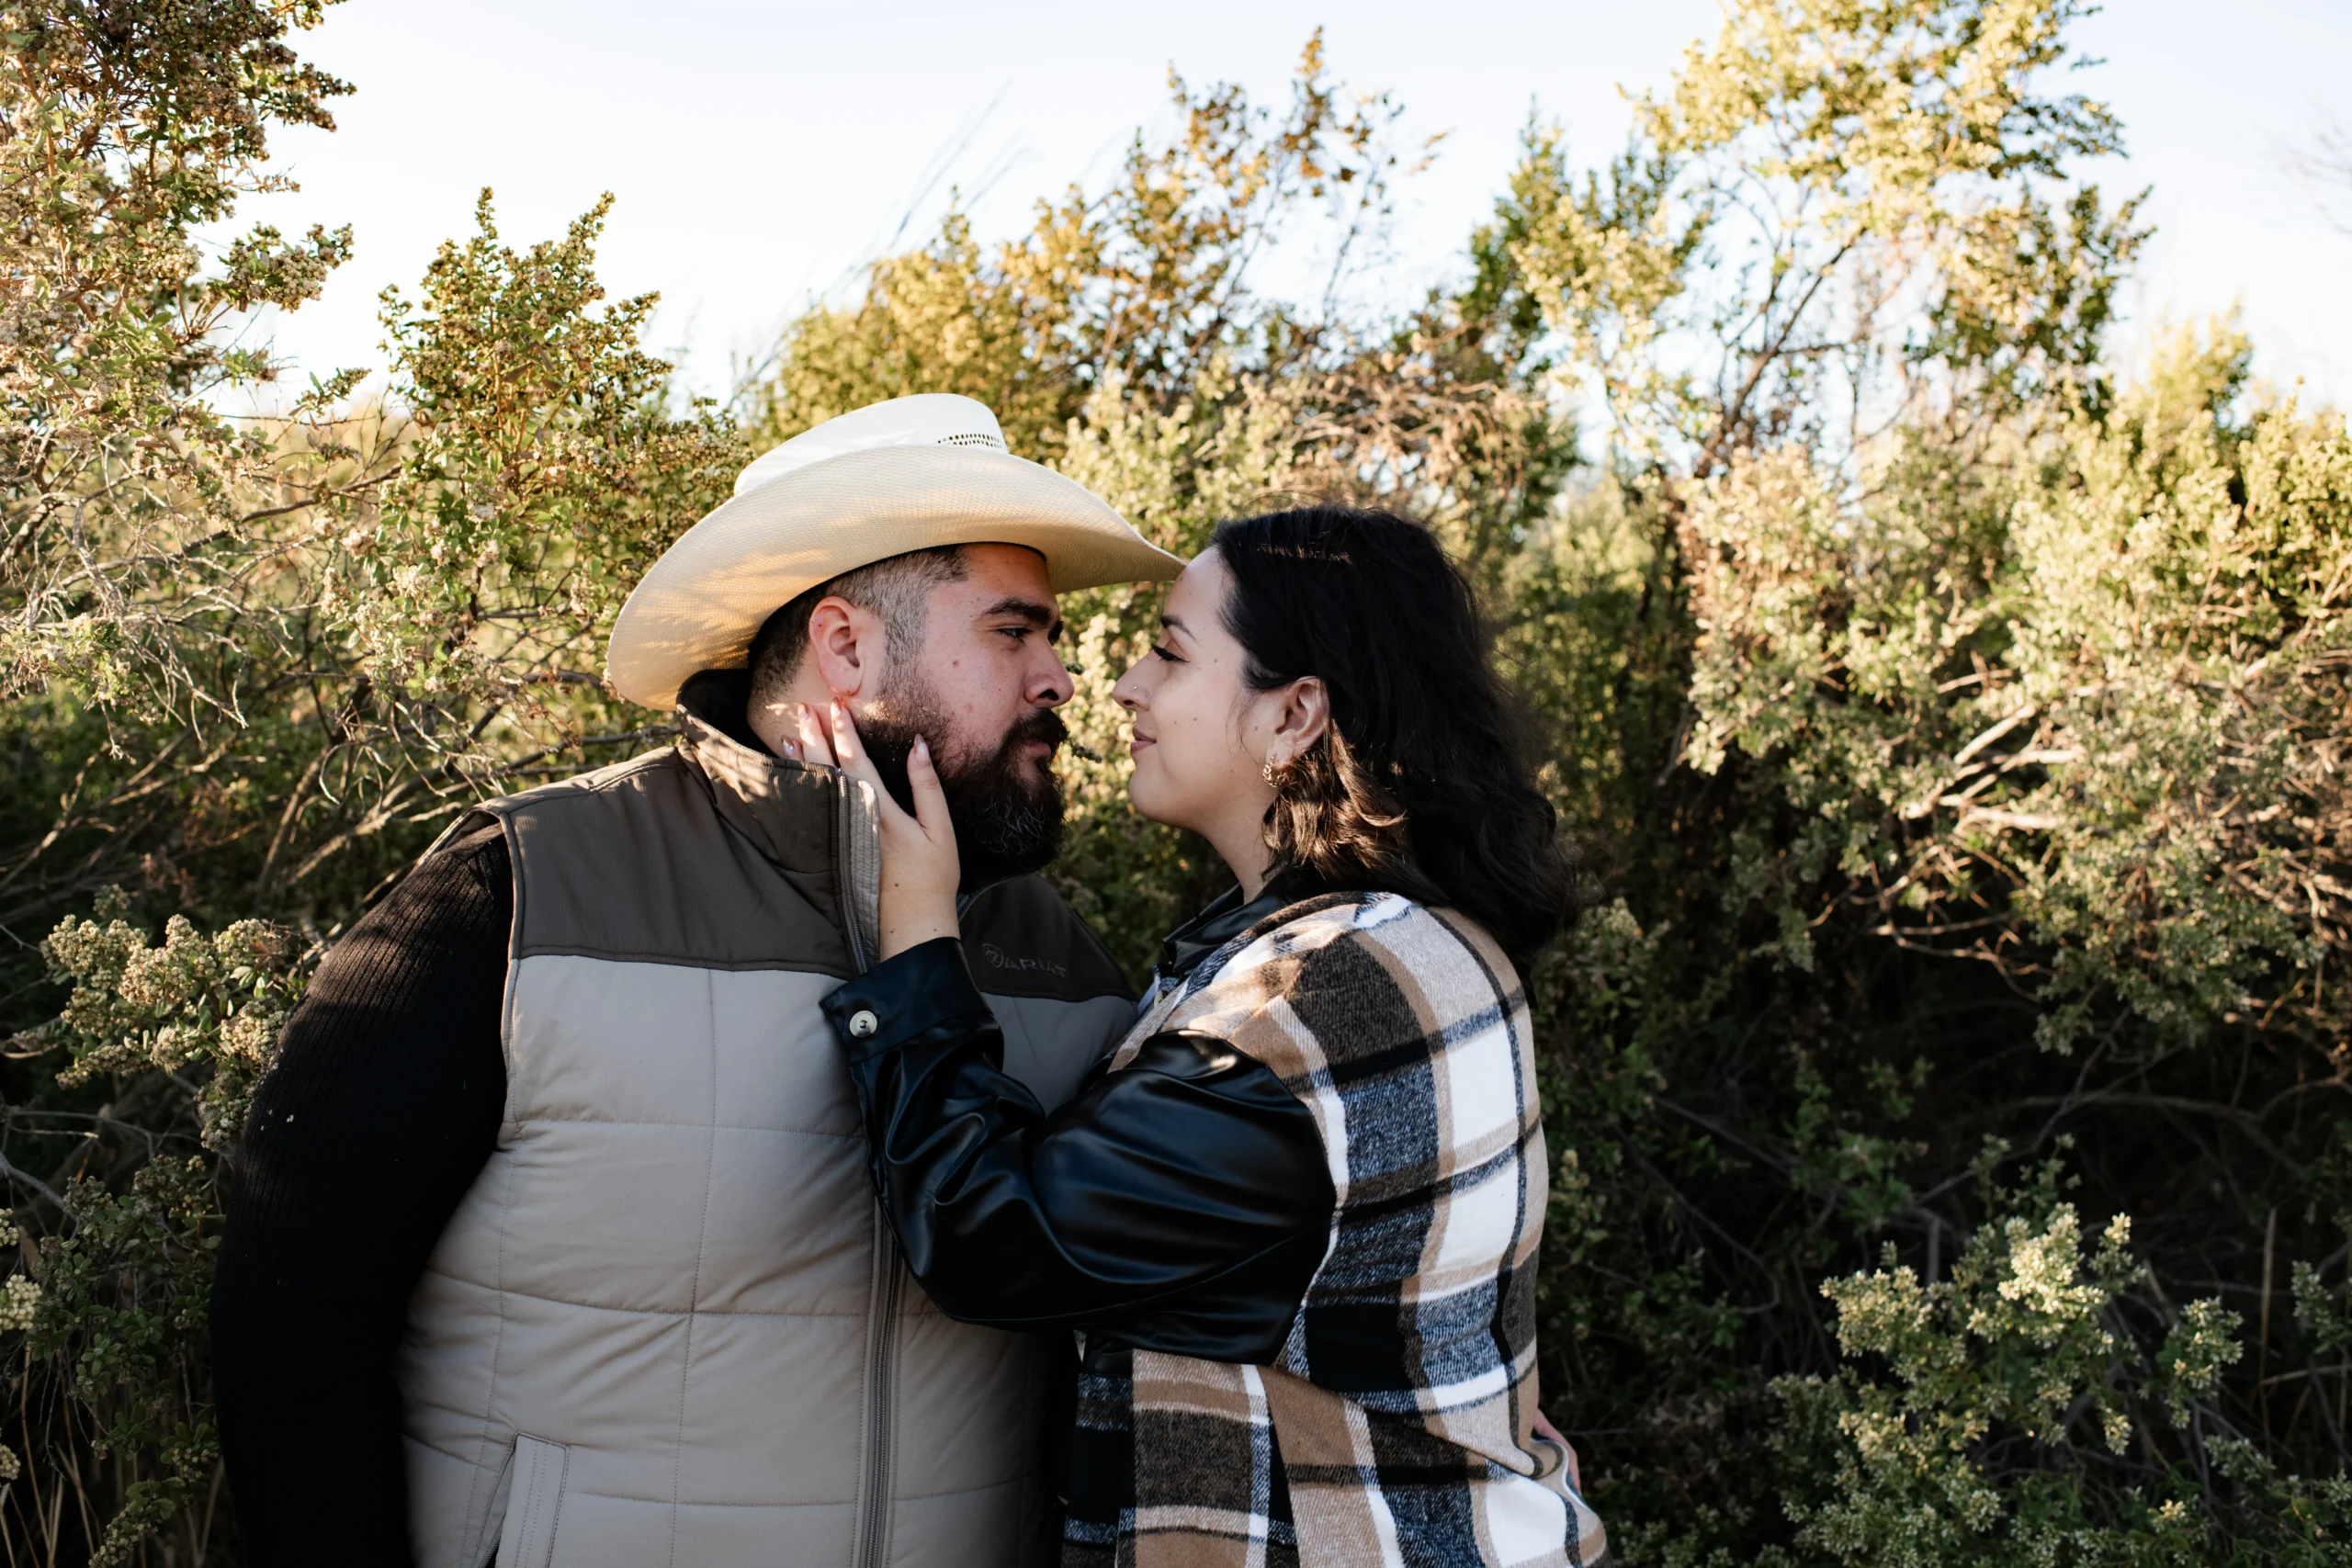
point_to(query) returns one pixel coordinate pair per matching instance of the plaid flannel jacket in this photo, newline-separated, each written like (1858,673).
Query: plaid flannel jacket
(1396,1427)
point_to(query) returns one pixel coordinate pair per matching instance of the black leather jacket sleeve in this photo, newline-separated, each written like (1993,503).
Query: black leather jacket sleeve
(1181,1204)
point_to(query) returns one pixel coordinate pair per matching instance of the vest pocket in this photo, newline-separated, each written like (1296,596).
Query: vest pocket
(529,1538)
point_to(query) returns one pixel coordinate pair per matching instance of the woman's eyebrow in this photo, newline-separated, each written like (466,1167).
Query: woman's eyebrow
(1175,624)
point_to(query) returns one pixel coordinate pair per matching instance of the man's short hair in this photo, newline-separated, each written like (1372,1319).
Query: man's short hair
(896,589)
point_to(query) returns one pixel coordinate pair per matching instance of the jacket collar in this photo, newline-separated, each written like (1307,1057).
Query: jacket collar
(1227,917)
(785,808)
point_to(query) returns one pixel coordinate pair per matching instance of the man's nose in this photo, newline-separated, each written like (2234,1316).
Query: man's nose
(1052,685)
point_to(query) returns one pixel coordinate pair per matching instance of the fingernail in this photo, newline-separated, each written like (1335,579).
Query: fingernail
(922,747)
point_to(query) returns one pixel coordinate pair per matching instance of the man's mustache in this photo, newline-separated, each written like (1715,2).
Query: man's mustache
(1040,724)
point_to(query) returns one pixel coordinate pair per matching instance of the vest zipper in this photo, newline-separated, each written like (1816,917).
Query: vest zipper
(882,1328)
(845,870)
(881,1459)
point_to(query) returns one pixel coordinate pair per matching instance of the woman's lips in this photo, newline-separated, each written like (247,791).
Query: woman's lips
(1138,742)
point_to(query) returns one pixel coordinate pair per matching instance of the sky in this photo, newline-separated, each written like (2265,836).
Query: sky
(760,153)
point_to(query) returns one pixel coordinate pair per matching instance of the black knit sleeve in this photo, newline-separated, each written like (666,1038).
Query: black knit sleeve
(382,1106)
(1180,1204)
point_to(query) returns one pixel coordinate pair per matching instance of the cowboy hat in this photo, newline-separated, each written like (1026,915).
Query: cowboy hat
(910,474)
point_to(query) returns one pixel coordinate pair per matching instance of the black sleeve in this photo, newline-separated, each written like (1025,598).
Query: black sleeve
(1181,1204)
(383,1104)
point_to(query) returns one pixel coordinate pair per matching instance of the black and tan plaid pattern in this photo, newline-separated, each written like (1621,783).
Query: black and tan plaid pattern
(1399,1425)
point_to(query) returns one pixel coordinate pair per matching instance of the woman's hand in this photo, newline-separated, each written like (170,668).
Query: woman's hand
(920,868)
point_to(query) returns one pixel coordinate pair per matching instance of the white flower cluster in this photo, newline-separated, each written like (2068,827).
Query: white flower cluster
(137,1006)
(2044,1266)
(18,1299)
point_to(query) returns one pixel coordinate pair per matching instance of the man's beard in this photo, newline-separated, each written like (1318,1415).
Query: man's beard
(1007,822)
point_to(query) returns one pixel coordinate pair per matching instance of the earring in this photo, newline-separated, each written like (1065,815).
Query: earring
(1269,774)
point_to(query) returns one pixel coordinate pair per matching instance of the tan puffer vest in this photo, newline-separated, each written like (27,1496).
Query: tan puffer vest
(666,1326)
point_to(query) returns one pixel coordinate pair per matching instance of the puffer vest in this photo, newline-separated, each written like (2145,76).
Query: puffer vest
(667,1324)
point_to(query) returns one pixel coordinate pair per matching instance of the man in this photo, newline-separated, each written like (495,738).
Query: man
(552,1239)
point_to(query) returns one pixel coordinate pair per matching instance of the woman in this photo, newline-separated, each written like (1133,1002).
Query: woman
(1295,1220)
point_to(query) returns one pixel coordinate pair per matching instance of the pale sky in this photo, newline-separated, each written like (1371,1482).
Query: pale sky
(759,152)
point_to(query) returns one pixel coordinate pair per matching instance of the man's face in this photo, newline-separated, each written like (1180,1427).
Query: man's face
(982,689)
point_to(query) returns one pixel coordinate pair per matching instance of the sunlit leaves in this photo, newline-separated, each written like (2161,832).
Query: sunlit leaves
(1845,213)
(127,127)
(541,473)
(2099,686)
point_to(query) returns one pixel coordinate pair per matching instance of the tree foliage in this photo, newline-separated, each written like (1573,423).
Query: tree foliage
(1946,1077)
(248,666)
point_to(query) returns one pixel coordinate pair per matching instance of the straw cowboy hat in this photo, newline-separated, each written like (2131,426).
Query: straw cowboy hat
(910,474)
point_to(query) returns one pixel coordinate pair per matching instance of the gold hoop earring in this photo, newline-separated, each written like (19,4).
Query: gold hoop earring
(1268,773)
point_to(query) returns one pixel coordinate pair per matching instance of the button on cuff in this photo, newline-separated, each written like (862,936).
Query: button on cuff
(902,997)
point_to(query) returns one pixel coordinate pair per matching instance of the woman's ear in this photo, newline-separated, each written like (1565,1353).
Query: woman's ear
(1306,712)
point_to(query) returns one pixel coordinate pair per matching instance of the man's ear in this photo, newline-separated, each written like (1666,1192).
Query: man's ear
(1306,714)
(846,644)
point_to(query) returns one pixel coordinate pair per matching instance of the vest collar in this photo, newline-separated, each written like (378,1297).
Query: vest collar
(786,808)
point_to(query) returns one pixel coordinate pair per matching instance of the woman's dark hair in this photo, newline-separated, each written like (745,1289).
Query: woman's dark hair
(1417,784)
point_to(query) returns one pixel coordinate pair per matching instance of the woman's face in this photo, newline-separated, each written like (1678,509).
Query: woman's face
(1201,735)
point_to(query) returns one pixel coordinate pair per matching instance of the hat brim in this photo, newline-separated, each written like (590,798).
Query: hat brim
(700,604)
